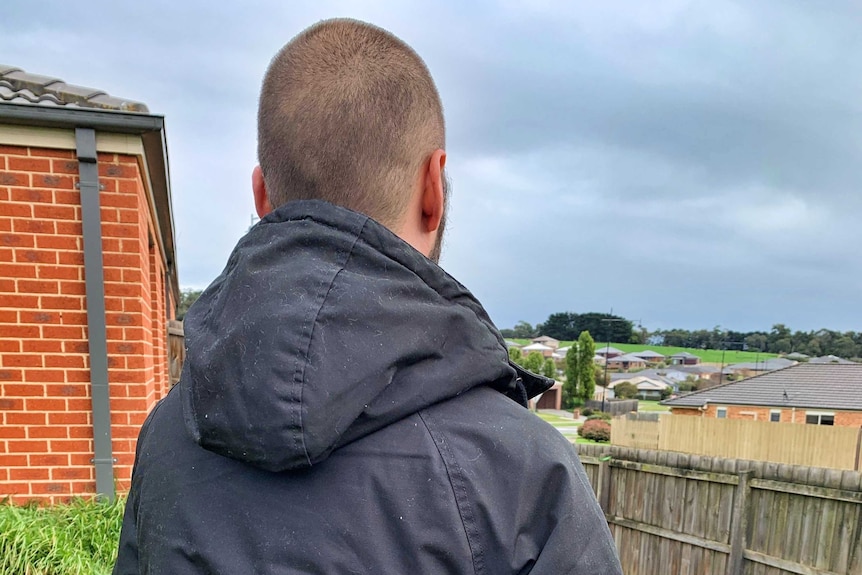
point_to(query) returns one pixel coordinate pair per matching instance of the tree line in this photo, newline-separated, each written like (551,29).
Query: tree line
(567,326)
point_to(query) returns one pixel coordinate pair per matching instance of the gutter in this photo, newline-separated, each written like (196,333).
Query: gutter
(94,276)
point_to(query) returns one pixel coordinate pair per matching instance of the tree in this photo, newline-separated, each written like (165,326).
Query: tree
(534,362)
(570,387)
(549,369)
(586,373)
(625,390)
(187,298)
(560,326)
(516,356)
(523,330)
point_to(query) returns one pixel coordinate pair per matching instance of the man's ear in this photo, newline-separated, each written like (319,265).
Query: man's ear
(261,199)
(433,200)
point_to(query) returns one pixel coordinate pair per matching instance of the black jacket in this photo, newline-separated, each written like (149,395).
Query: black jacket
(348,407)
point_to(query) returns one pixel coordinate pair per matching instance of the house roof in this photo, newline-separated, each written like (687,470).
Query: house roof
(648,354)
(805,385)
(19,87)
(543,338)
(644,383)
(536,347)
(684,355)
(796,355)
(830,359)
(697,369)
(510,343)
(629,357)
(670,375)
(767,365)
(608,349)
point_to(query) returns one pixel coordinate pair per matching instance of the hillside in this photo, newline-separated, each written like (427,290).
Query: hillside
(705,355)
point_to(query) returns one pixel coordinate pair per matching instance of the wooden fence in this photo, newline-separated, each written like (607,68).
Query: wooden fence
(680,514)
(793,443)
(176,350)
(613,406)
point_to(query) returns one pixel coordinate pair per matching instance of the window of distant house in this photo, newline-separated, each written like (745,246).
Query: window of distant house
(816,418)
(775,416)
(721,413)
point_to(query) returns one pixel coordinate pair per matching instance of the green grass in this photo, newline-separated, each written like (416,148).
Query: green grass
(558,422)
(644,405)
(69,539)
(705,355)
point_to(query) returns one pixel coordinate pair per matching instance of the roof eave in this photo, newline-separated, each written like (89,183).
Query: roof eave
(151,128)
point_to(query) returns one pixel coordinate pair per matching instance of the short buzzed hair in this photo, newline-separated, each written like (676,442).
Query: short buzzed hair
(348,114)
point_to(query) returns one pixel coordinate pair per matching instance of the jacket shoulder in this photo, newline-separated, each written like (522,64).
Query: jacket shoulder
(520,488)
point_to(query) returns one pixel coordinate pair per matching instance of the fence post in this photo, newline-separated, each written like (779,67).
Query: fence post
(739,523)
(604,487)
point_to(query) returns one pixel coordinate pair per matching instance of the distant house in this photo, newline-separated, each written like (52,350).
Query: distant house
(796,356)
(603,393)
(700,371)
(817,394)
(750,369)
(513,344)
(551,399)
(648,387)
(649,356)
(546,340)
(669,375)
(608,352)
(560,353)
(545,350)
(684,358)
(830,359)
(626,362)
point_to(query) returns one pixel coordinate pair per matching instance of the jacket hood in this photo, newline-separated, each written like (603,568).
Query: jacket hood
(324,327)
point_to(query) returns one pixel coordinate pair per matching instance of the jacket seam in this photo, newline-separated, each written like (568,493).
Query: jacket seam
(459,492)
(302,361)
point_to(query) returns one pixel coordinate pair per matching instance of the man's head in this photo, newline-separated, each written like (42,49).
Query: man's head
(349,114)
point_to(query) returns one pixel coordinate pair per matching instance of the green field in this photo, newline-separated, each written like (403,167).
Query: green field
(705,355)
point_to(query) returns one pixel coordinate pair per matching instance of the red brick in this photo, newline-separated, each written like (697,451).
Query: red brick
(33,226)
(5,224)
(48,432)
(17,271)
(7,255)
(19,301)
(27,473)
(7,285)
(67,390)
(80,432)
(14,150)
(60,166)
(54,212)
(45,375)
(36,256)
(38,286)
(44,404)
(65,228)
(70,243)
(11,375)
(87,487)
(71,445)
(8,316)
(118,171)
(77,375)
(18,240)
(25,418)
(74,318)
(21,360)
(13,460)
(62,302)
(60,272)
(38,317)
(125,431)
(70,258)
(72,473)
(49,460)
(73,288)
(27,446)
(110,215)
(24,389)
(18,210)
(69,418)
(67,197)
(14,179)
(29,164)
(42,346)
(11,403)
(53,181)
(129,216)
(119,230)
(120,200)
(76,347)
(106,157)
(127,159)
(39,487)
(30,195)
(53,153)
(9,432)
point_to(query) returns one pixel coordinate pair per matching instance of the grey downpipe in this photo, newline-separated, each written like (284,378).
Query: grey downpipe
(94,275)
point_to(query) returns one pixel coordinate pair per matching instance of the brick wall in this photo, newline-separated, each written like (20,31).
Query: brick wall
(46,436)
(842,418)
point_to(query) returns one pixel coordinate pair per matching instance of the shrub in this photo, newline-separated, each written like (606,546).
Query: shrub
(586,412)
(595,430)
(625,390)
(601,415)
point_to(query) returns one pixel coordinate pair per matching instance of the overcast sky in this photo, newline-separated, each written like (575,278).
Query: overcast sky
(688,164)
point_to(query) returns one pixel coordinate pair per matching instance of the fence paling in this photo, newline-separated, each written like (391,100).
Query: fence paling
(819,446)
